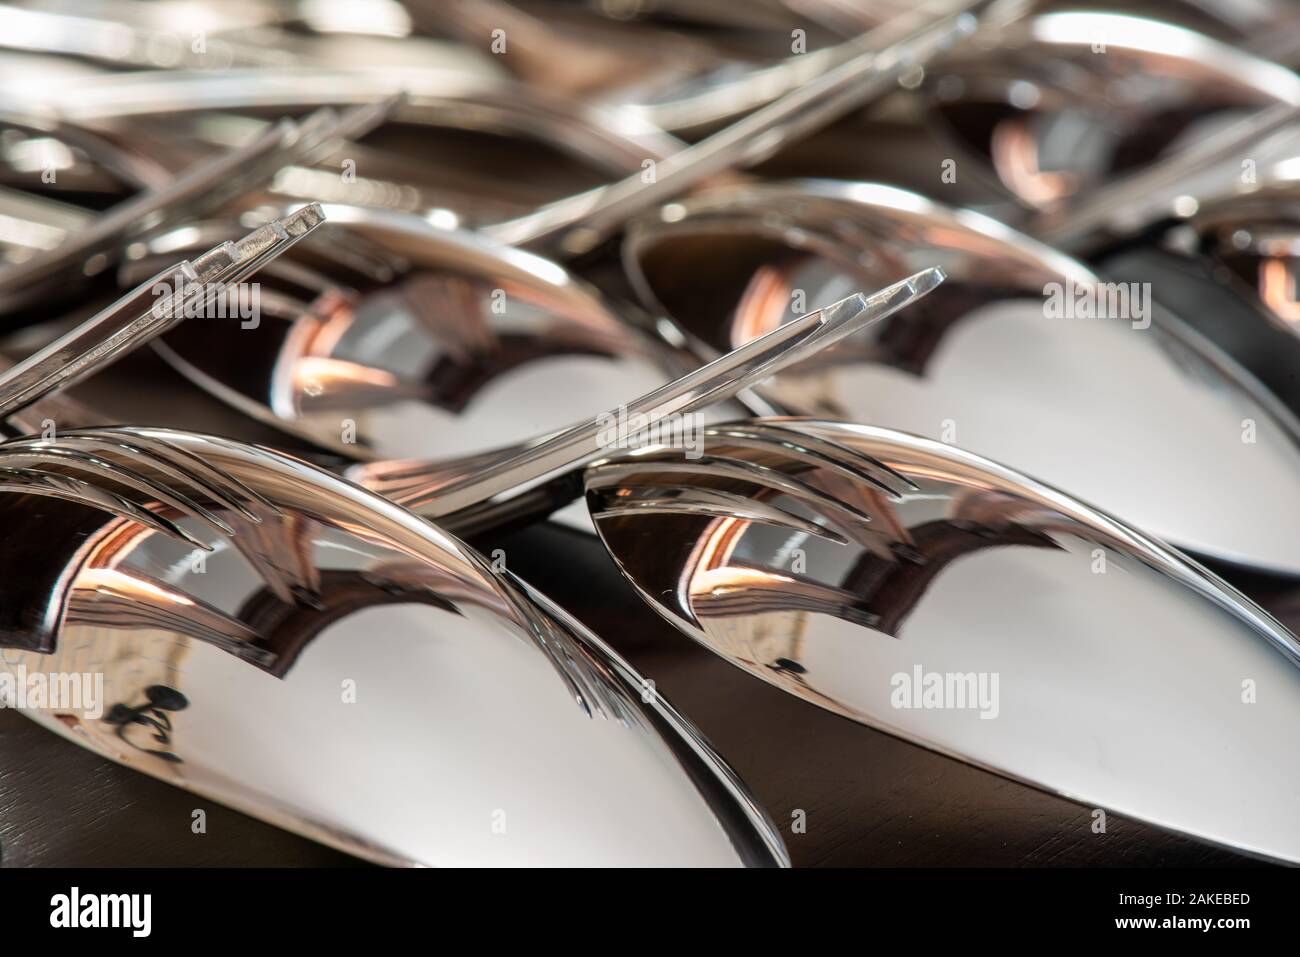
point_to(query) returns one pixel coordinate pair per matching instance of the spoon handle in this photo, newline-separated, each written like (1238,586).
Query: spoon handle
(97,37)
(148,310)
(203,187)
(872,64)
(718,380)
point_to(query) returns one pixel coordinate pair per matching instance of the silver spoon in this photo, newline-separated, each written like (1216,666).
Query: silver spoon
(135,35)
(1136,413)
(938,596)
(1173,187)
(1229,269)
(870,66)
(183,115)
(1266,28)
(506,466)
(1260,225)
(268,508)
(432,344)
(1059,103)
(276,639)
(557,454)
(689,93)
(123,44)
(573,57)
(577,224)
(92,163)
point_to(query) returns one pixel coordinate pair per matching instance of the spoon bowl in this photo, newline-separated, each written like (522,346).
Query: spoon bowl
(441,344)
(279,640)
(1064,101)
(1023,355)
(940,597)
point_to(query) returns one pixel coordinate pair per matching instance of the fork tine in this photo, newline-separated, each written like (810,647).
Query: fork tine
(60,485)
(723,466)
(50,454)
(710,503)
(832,455)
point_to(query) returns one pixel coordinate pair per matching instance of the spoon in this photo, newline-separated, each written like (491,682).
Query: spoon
(1136,413)
(579,223)
(433,344)
(278,640)
(1258,226)
(200,36)
(557,454)
(878,60)
(1266,28)
(687,93)
(871,66)
(506,468)
(1174,186)
(1057,104)
(269,522)
(124,45)
(471,172)
(573,57)
(1228,270)
(57,156)
(571,226)
(933,594)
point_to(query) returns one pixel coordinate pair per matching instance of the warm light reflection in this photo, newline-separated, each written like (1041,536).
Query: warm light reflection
(763,307)
(1277,289)
(319,378)
(1015,156)
(118,582)
(712,550)
(713,581)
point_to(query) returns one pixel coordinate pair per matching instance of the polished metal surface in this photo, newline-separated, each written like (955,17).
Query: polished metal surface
(853,75)
(281,641)
(677,80)
(720,379)
(1254,231)
(196,192)
(1136,414)
(90,163)
(482,168)
(1058,103)
(444,481)
(1168,188)
(184,290)
(442,344)
(870,68)
(848,565)
(610,302)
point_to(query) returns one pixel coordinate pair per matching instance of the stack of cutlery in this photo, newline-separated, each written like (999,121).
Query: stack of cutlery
(936,364)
